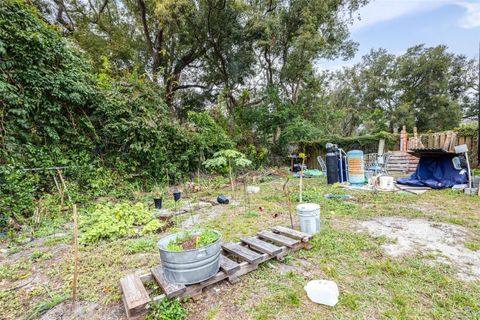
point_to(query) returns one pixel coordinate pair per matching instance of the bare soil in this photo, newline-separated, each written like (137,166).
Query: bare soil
(419,236)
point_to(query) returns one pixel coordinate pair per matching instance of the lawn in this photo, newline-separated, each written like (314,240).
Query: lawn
(35,276)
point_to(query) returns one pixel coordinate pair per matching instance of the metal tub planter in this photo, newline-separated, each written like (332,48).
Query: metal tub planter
(193,265)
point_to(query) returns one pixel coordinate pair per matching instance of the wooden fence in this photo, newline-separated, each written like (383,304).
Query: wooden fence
(448,139)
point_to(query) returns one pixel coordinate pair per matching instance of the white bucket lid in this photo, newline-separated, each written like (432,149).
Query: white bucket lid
(308,207)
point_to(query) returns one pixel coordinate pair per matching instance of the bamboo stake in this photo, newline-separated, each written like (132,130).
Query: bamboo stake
(75,257)
(301,178)
(63,184)
(289,204)
(60,192)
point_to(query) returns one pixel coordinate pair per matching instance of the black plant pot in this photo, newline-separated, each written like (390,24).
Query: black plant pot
(177,195)
(158,203)
(222,199)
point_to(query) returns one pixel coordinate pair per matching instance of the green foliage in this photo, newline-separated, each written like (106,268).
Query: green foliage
(44,81)
(17,194)
(426,87)
(227,159)
(40,255)
(365,142)
(166,310)
(471,131)
(258,155)
(107,222)
(43,306)
(140,245)
(205,238)
(153,226)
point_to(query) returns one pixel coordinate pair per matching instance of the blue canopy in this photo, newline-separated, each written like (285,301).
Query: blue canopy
(436,172)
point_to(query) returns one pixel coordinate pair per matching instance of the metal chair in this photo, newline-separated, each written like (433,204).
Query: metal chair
(323,167)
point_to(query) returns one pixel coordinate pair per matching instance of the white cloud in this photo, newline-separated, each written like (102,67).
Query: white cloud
(379,11)
(471,19)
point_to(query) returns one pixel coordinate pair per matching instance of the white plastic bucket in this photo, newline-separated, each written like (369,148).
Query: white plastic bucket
(386,182)
(309,216)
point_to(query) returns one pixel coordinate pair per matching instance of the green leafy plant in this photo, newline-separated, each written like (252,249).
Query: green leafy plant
(153,226)
(166,310)
(230,160)
(140,245)
(107,221)
(191,240)
(158,191)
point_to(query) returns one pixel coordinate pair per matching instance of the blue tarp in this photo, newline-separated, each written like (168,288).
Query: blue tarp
(435,172)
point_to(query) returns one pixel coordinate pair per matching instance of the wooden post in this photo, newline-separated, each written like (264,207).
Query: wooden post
(403,139)
(289,204)
(75,257)
(60,192)
(301,178)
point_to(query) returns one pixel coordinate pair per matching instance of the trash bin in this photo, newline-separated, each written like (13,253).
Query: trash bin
(309,216)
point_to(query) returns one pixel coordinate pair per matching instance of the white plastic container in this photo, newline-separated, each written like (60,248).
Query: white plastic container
(323,292)
(386,183)
(309,216)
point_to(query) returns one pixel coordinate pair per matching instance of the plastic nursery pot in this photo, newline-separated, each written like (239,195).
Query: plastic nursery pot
(177,195)
(222,199)
(189,266)
(158,203)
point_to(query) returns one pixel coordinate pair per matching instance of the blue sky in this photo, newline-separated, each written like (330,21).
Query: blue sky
(399,24)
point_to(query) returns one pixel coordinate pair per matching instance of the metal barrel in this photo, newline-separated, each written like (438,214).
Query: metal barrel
(309,215)
(356,171)
(189,266)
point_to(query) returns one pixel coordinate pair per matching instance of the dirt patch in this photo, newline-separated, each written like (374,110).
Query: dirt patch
(414,236)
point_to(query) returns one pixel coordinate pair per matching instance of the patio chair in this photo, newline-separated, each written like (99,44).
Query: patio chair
(323,167)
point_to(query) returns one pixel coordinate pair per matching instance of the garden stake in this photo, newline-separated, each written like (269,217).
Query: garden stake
(289,204)
(245,196)
(75,257)
(60,192)
(302,155)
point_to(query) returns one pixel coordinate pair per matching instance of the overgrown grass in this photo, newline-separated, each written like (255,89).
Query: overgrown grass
(372,284)
(43,306)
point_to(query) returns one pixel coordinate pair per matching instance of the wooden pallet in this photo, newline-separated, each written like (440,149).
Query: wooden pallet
(236,260)
(402,161)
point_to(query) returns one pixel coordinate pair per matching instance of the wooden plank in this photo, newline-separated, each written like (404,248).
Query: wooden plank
(171,289)
(242,252)
(262,246)
(278,239)
(443,136)
(135,296)
(453,142)
(294,234)
(227,265)
(448,140)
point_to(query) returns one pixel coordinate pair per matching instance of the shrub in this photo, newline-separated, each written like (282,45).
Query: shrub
(17,193)
(107,221)
(153,226)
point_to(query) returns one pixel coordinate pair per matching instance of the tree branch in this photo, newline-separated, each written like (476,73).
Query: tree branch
(186,86)
(143,14)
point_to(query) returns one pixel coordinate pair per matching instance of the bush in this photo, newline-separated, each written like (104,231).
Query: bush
(108,222)
(17,194)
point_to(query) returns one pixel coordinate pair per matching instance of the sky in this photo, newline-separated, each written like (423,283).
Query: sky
(399,24)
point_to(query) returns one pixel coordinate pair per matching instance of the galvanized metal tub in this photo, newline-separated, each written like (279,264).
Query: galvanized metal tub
(189,266)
